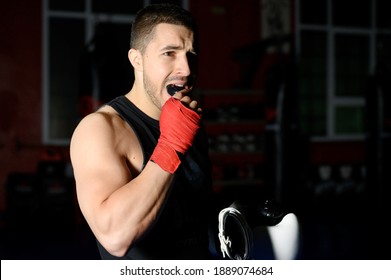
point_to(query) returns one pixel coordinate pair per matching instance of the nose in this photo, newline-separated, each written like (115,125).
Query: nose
(184,65)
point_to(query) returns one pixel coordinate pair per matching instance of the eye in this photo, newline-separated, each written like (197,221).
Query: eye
(168,53)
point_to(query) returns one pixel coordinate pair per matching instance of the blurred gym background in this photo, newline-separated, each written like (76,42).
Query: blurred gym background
(297,106)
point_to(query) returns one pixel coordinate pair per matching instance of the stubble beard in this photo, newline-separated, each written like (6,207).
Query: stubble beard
(151,91)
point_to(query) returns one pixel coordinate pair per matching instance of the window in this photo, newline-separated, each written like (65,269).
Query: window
(338,46)
(82,40)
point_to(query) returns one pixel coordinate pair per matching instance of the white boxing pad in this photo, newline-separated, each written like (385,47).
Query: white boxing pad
(285,238)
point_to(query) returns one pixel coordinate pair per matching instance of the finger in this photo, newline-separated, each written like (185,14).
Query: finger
(193,104)
(186,100)
(182,93)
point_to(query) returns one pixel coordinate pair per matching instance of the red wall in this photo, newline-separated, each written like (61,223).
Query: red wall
(20,87)
(223,26)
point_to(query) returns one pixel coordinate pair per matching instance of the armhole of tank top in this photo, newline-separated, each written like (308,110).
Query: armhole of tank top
(121,114)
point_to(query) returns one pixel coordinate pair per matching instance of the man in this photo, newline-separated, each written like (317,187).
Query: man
(140,162)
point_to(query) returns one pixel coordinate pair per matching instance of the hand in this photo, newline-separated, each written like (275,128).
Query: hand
(178,127)
(184,95)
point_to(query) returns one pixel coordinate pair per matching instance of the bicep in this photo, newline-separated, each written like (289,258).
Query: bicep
(99,169)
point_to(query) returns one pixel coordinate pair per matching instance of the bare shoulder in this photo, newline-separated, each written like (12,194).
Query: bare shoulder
(104,152)
(105,118)
(103,132)
(96,127)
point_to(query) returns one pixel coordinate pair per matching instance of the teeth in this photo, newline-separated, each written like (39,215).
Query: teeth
(173,88)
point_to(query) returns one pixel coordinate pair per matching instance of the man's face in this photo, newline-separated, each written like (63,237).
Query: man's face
(168,59)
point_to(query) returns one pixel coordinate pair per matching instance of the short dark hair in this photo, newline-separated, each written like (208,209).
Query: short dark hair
(154,14)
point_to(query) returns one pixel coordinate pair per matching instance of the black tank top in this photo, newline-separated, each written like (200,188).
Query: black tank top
(181,230)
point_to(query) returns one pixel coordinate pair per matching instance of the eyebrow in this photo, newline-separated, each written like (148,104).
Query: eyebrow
(170,47)
(175,47)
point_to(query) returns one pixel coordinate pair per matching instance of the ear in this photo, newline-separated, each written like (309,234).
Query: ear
(135,59)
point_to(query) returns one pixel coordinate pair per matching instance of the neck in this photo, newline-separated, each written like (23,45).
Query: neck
(139,98)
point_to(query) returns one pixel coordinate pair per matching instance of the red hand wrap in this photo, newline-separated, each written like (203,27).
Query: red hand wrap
(178,126)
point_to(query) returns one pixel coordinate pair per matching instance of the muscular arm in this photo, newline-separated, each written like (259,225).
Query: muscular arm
(118,206)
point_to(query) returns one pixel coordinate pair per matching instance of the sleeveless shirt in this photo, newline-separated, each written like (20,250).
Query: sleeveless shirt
(181,229)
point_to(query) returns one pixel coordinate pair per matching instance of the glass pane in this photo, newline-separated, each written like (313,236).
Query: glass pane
(349,120)
(313,116)
(125,7)
(351,65)
(313,12)
(67,5)
(383,51)
(312,82)
(352,13)
(66,44)
(107,58)
(383,14)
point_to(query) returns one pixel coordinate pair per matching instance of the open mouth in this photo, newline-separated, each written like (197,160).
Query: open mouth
(172,89)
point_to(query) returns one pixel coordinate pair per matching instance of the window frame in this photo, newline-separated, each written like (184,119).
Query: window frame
(332,100)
